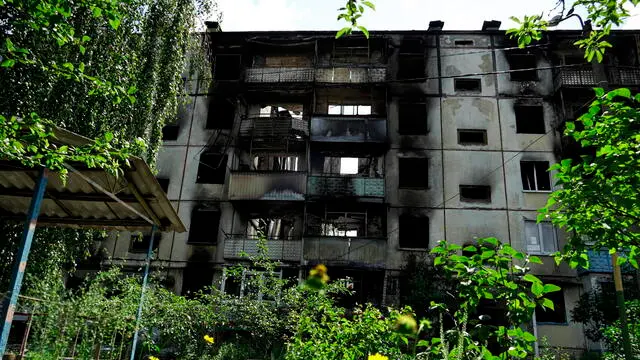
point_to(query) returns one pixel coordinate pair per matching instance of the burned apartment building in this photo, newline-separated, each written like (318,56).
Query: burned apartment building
(357,152)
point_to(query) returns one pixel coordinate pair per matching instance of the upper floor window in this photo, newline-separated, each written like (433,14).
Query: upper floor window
(349,109)
(212,168)
(475,193)
(467,85)
(413,172)
(540,237)
(529,119)
(413,232)
(525,66)
(203,228)
(535,176)
(559,313)
(412,118)
(140,243)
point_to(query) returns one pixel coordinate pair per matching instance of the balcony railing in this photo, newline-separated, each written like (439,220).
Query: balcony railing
(348,129)
(351,75)
(345,250)
(274,127)
(342,186)
(267,185)
(279,75)
(583,76)
(235,245)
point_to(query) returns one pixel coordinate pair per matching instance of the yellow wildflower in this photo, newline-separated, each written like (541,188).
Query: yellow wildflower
(318,277)
(377,357)
(406,325)
(153,358)
(208,339)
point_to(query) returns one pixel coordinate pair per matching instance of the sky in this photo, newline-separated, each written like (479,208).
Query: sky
(263,15)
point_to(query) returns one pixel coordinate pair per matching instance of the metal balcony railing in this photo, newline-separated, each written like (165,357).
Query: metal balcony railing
(332,128)
(334,75)
(345,186)
(345,250)
(235,245)
(279,75)
(582,76)
(351,75)
(274,127)
(267,185)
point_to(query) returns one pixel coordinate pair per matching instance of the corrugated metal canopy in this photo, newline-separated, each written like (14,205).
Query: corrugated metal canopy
(79,204)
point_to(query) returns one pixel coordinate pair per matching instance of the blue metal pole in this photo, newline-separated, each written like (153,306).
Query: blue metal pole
(147,264)
(23,254)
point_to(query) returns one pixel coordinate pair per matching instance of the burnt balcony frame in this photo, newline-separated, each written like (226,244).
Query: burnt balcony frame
(289,249)
(348,128)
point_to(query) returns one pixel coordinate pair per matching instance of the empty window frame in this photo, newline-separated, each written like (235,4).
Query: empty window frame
(335,109)
(540,237)
(140,243)
(170,132)
(412,119)
(559,313)
(271,228)
(212,168)
(467,85)
(463,42)
(413,232)
(363,167)
(164,184)
(413,173)
(204,227)
(222,112)
(529,119)
(475,193)
(472,137)
(276,163)
(535,176)
(525,66)
(411,67)
(227,67)
(344,224)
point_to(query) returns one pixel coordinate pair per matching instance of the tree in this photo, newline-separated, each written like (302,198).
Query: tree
(105,69)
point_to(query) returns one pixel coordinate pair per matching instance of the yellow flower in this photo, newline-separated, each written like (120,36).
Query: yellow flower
(208,339)
(377,357)
(153,358)
(406,325)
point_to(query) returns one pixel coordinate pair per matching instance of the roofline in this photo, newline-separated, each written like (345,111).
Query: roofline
(332,33)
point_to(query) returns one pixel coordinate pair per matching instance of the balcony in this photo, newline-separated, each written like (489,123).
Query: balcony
(279,75)
(267,185)
(583,76)
(344,186)
(351,75)
(274,127)
(356,129)
(236,245)
(345,251)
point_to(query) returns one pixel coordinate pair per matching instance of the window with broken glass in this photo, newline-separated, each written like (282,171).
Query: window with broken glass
(322,165)
(535,176)
(346,224)
(353,110)
(271,228)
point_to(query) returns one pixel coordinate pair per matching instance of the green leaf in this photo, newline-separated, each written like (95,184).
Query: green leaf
(369,4)
(551,288)
(108,136)
(537,289)
(81,67)
(364,31)
(86,38)
(547,303)
(8,63)
(531,278)
(115,23)
(528,337)
(343,31)
(82,49)
(623,92)
(621,260)
(96,11)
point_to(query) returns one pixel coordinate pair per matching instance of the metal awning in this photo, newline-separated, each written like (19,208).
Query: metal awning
(81,204)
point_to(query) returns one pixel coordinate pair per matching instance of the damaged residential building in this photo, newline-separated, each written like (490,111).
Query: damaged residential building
(356,153)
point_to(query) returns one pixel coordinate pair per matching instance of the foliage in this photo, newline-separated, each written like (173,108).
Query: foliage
(613,334)
(350,13)
(548,352)
(598,198)
(602,15)
(597,309)
(495,274)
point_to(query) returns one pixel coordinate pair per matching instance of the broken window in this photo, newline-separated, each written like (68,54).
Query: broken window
(170,132)
(227,67)
(465,84)
(274,229)
(540,237)
(412,118)
(413,232)
(276,163)
(463,42)
(140,243)
(413,173)
(349,110)
(358,221)
(527,64)
(529,119)
(556,316)
(204,226)
(197,276)
(351,50)
(411,67)
(365,167)
(535,176)
(472,137)
(347,224)
(164,184)
(222,112)
(475,193)
(212,168)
